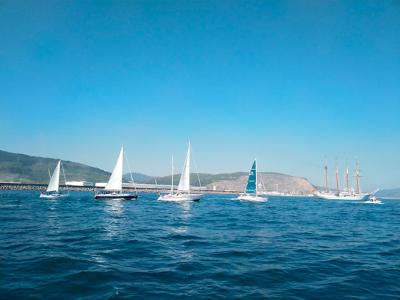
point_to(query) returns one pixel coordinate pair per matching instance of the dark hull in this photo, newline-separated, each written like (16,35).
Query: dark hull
(110,196)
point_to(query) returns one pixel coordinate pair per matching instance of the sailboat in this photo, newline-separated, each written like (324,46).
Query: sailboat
(348,194)
(113,189)
(53,188)
(183,193)
(251,191)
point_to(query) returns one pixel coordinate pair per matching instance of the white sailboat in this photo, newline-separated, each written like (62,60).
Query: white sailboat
(251,191)
(348,194)
(113,189)
(53,189)
(183,193)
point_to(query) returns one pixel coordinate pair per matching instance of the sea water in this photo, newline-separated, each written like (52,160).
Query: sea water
(286,248)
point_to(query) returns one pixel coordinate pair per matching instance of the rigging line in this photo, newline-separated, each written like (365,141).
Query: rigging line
(155,181)
(261,181)
(65,180)
(130,172)
(197,171)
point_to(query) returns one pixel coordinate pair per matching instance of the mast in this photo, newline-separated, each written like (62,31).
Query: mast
(131,174)
(65,179)
(347,179)
(337,179)
(172,175)
(188,165)
(256,178)
(357,176)
(326,178)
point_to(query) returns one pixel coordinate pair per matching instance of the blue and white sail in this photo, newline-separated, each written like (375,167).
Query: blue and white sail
(251,187)
(251,193)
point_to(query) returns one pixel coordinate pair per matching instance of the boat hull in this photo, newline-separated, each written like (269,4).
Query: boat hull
(373,202)
(123,196)
(360,197)
(52,196)
(254,198)
(180,197)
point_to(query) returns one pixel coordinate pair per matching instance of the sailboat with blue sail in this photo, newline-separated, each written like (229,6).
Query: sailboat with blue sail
(251,191)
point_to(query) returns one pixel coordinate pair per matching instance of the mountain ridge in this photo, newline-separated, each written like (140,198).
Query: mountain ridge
(18,167)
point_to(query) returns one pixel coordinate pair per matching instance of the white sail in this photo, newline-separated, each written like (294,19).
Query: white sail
(55,179)
(115,181)
(184,182)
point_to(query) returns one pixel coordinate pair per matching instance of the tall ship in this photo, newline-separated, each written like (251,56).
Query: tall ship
(113,189)
(348,193)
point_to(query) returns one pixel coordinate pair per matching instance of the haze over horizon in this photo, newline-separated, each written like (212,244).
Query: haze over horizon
(292,83)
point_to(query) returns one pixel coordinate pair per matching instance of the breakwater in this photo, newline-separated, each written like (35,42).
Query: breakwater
(142,188)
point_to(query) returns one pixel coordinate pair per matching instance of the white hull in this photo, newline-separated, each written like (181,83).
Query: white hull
(254,198)
(373,201)
(180,197)
(52,196)
(343,197)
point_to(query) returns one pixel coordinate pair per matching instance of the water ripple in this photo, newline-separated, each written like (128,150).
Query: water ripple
(218,248)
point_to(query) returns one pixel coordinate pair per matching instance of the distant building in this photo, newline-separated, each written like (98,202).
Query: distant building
(79,183)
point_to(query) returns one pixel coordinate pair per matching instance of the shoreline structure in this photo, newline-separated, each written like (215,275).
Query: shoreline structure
(140,188)
(17,186)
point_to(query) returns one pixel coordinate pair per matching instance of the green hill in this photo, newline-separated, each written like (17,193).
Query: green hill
(138,178)
(269,181)
(31,169)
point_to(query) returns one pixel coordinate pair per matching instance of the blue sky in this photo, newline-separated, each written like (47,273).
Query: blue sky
(290,82)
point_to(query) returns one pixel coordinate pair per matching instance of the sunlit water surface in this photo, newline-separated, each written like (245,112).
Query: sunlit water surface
(299,248)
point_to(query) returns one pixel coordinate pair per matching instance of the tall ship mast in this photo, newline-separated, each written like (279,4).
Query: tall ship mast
(357,176)
(326,178)
(347,194)
(347,180)
(337,180)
